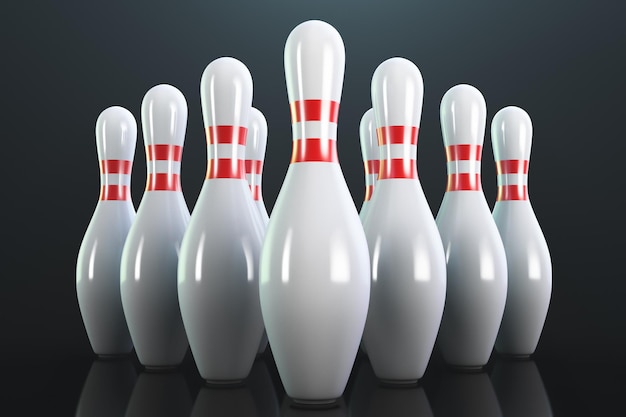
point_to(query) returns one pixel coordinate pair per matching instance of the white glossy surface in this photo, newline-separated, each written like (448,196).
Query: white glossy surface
(256,143)
(408,286)
(369,151)
(150,255)
(100,252)
(314,262)
(218,284)
(528,257)
(475,256)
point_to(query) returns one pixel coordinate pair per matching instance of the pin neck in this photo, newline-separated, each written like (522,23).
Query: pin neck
(115,179)
(512,179)
(372,166)
(314,126)
(254,170)
(226,147)
(163,167)
(398,151)
(464,167)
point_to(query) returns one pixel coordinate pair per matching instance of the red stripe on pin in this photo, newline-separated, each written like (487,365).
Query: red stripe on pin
(397,168)
(464,182)
(314,150)
(115,166)
(393,135)
(226,168)
(464,152)
(256,193)
(226,134)
(253,166)
(512,192)
(314,110)
(372,166)
(114,192)
(512,166)
(164,152)
(163,182)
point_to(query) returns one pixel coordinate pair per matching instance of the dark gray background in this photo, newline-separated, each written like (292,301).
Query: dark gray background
(64,62)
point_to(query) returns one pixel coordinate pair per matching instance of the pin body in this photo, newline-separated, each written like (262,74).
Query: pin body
(256,144)
(98,263)
(150,255)
(476,261)
(408,285)
(314,261)
(218,283)
(370,154)
(528,258)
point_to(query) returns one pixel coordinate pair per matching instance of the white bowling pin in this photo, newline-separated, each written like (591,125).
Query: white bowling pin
(476,261)
(98,263)
(528,258)
(314,263)
(370,154)
(150,255)
(218,285)
(408,286)
(256,143)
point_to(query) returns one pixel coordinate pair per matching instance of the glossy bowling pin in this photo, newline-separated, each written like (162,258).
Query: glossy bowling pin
(98,263)
(476,261)
(528,258)
(314,263)
(370,154)
(255,155)
(408,286)
(150,255)
(218,285)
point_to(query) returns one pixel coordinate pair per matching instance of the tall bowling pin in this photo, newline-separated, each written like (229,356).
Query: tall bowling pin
(408,286)
(370,154)
(315,262)
(476,261)
(256,143)
(98,264)
(150,255)
(527,254)
(218,285)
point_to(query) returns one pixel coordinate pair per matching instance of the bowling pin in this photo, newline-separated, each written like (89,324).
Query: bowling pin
(370,154)
(218,285)
(408,286)
(528,258)
(315,271)
(98,263)
(150,255)
(476,261)
(256,143)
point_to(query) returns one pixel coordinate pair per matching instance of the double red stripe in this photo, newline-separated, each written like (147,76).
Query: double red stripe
(314,150)
(397,168)
(312,110)
(254,166)
(397,135)
(115,166)
(372,166)
(226,134)
(226,168)
(464,182)
(114,192)
(464,152)
(164,152)
(512,166)
(512,192)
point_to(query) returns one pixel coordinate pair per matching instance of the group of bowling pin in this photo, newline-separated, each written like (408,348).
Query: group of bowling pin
(316,278)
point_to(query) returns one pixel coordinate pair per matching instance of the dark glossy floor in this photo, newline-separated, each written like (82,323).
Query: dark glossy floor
(90,387)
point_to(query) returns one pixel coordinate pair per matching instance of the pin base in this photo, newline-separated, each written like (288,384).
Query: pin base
(314,404)
(399,383)
(470,369)
(160,368)
(213,383)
